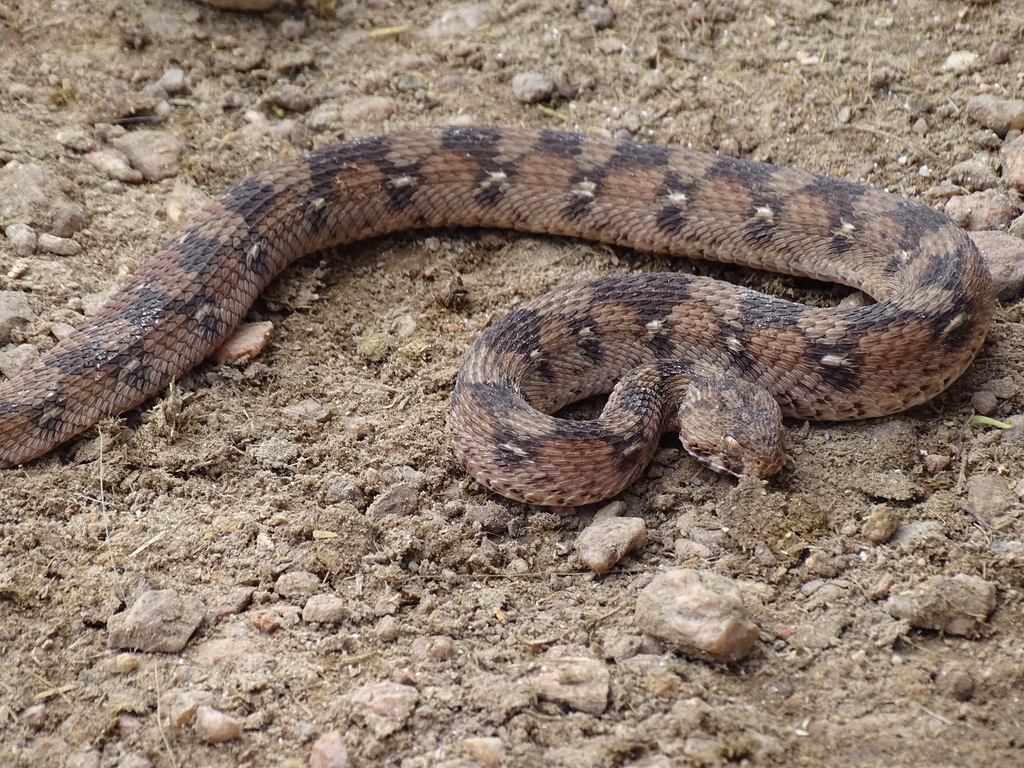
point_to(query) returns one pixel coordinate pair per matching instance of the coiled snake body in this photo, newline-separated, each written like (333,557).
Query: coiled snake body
(670,341)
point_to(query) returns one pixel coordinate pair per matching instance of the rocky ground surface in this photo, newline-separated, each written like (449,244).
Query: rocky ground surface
(279,562)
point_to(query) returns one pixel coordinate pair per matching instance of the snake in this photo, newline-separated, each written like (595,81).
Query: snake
(673,351)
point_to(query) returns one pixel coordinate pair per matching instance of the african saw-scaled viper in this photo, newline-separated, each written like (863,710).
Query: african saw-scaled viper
(674,343)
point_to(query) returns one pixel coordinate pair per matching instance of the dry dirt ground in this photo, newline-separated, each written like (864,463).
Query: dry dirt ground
(219,488)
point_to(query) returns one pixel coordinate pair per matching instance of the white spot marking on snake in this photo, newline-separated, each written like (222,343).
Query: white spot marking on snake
(513,448)
(734,344)
(584,188)
(399,182)
(586,331)
(846,229)
(675,197)
(254,251)
(494,178)
(835,361)
(534,354)
(764,213)
(202,312)
(954,323)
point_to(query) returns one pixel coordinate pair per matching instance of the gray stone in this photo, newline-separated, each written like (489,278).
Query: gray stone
(532,87)
(15,311)
(957,605)
(155,154)
(33,195)
(698,612)
(159,621)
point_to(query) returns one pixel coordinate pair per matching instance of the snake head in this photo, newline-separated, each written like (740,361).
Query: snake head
(732,426)
(731,457)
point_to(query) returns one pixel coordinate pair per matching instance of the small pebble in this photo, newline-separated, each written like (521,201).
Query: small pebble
(610,45)
(292,29)
(821,564)
(488,752)
(244,5)
(329,752)
(532,87)
(441,648)
(459,21)
(22,237)
(989,209)
(388,629)
(311,410)
(155,154)
(384,707)
(492,518)
(999,52)
(373,347)
(956,605)
(114,165)
(291,97)
(368,108)
(59,246)
(297,584)
(608,539)
(76,139)
(15,312)
(1004,256)
(33,195)
(159,621)
(180,705)
(984,402)
(687,550)
(954,681)
(326,609)
(989,495)
(935,463)
(881,523)
(999,115)
(698,612)
(891,486)
(216,727)
(600,17)
(183,202)
(245,343)
(974,174)
(173,82)
(575,679)
(34,717)
(882,587)
(918,533)
(86,758)
(345,488)
(400,499)
(764,556)
(14,358)
(1012,160)
(960,61)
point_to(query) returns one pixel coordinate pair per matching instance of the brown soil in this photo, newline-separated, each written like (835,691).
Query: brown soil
(224,484)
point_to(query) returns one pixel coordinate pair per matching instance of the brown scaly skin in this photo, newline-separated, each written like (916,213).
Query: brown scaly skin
(935,301)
